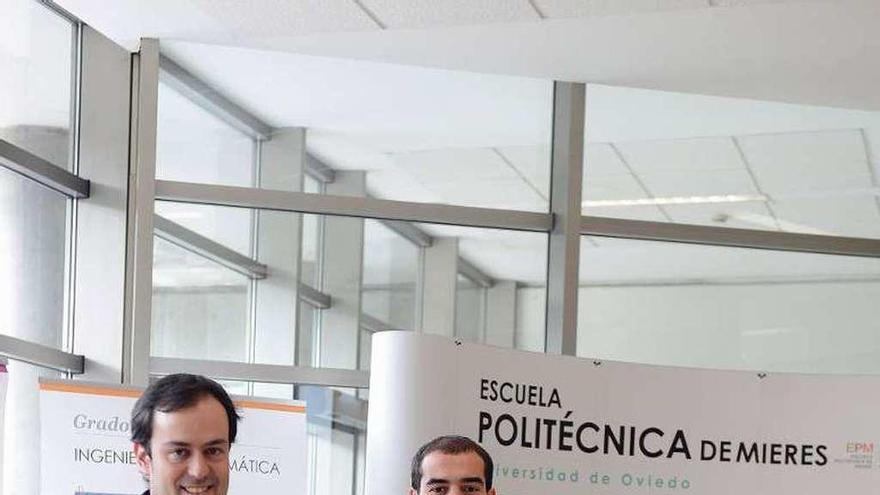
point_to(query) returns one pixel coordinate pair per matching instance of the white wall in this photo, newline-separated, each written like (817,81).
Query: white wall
(803,327)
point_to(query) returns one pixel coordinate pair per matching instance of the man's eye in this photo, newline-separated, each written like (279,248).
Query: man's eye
(215,452)
(472,489)
(177,454)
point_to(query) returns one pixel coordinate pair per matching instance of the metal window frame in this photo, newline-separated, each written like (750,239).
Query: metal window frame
(208,248)
(41,355)
(563,251)
(350,206)
(564,224)
(729,237)
(42,171)
(269,373)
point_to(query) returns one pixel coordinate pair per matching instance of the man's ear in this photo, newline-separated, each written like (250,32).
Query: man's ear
(144,461)
(412,492)
(491,491)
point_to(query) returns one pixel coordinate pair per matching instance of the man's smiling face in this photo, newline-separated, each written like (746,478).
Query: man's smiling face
(189,451)
(453,474)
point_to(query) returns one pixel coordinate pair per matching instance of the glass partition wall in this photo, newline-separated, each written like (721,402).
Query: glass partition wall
(297,206)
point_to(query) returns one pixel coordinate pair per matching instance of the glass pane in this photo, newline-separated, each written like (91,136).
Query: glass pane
(200,308)
(194,146)
(36,48)
(391,265)
(422,134)
(725,162)
(469,318)
(33,230)
(311,237)
(500,315)
(311,250)
(717,307)
(336,428)
(228,226)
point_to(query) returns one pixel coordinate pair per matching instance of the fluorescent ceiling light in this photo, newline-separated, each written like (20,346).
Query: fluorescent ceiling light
(677,200)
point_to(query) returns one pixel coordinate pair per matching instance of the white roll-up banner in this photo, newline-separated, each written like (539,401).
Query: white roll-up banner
(86,447)
(566,425)
(4,383)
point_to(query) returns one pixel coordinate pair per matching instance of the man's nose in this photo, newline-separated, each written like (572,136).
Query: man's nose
(198,466)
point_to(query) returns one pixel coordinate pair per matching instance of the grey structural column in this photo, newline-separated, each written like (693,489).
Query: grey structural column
(282,160)
(341,278)
(566,179)
(100,232)
(439,276)
(142,189)
(501,314)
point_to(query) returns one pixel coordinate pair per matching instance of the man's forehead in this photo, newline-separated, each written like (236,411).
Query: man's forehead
(205,421)
(452,467)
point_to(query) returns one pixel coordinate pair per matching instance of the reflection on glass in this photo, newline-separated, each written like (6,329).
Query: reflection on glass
(200,308)
(389,276)
(194,146)
(725,162)
(733,308)
(36,80)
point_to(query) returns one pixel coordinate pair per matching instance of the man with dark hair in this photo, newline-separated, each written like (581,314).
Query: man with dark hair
(451,465)
(182,428)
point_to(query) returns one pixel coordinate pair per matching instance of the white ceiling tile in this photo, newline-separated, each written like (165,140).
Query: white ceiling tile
(399,186)
(268,18)
(646,213)
(533,162)
(397,14)
(808,161)
(732,215)
(500,193)
(601,160)
(477,165)
(699,183)
(681,155)
(587,8)
(846,216)
(612,187)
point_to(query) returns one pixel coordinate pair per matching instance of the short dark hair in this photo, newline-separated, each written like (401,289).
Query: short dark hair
(450,444)
(172,393)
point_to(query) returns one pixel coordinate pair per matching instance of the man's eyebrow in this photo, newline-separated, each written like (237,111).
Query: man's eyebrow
(173,443)
(218,441)
(473,480)
(436,481)
(441,481)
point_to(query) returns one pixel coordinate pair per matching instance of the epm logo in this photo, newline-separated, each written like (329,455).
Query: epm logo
(860,448)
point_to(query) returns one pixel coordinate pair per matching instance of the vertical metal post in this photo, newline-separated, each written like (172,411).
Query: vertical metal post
(100,233)
(142,189)
(563,258)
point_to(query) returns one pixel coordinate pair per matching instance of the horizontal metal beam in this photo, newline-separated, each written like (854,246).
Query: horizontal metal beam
(37,169)
(352,206)
(314,297)
(268,373)
(211,100)
(474,274)
(203,246)
(409,232)
(374,325)
(41,355)
(317,169)
(722,236)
